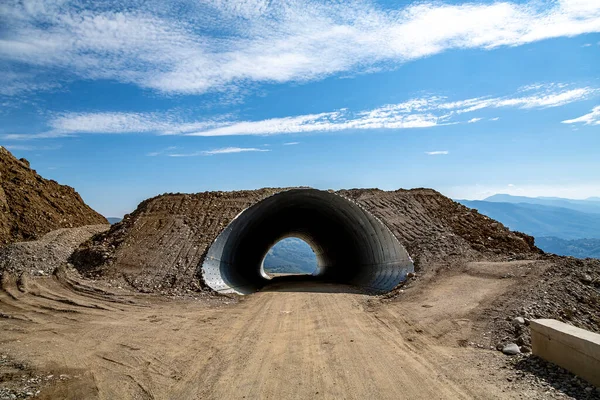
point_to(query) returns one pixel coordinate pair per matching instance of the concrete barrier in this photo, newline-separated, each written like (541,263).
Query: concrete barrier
(574,349)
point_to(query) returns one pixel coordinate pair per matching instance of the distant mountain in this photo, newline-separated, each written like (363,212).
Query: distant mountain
(581,248)
(541,220)
(114,220)
(291,255)
(559,230)
(590,205)
(287,269)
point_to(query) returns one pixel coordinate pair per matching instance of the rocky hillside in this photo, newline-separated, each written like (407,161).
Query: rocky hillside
(434,228)
(160,246)
(31,206)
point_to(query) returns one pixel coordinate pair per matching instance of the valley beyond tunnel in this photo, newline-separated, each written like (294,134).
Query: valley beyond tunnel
(351,245)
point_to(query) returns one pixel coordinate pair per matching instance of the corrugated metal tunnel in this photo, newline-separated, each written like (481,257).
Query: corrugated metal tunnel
(351,245)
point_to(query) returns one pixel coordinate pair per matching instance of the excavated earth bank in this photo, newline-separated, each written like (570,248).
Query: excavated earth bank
(31,206)
(160,246)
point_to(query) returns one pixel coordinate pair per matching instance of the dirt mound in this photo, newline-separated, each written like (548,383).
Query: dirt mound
(433,228)
(568,290)
(161,244)
(41,257)
(31,206)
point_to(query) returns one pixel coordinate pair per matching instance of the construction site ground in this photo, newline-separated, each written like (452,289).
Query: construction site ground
(64,337)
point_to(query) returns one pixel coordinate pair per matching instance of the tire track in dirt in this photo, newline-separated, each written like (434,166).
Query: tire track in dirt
(305,340)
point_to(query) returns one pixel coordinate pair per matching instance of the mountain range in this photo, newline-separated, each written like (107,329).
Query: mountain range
(292,256)
(561,226)
(589,205)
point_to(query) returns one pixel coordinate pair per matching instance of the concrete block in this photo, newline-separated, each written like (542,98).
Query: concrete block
(574,349)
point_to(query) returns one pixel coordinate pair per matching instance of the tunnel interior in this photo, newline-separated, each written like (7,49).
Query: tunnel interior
(351,245)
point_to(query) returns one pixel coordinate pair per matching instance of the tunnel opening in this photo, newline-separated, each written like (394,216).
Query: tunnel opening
(290,256)
(351,246)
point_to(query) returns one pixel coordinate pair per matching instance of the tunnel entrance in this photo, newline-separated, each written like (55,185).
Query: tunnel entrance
(289,256)
(351,245)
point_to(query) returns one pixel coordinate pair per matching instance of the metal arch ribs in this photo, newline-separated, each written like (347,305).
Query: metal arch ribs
(354,246)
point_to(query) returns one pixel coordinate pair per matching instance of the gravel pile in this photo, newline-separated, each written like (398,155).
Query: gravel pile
(19,381)
(42,257)
(551,380)
(568,291)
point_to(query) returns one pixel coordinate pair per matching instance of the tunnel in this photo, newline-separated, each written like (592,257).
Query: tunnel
(352,246)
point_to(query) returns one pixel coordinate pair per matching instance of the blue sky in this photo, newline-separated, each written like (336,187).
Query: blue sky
(124,101)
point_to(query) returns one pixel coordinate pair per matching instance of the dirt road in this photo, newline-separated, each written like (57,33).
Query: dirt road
(287,342)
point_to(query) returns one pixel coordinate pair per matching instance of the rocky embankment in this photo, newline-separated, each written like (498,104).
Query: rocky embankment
(567,290)
(31,206)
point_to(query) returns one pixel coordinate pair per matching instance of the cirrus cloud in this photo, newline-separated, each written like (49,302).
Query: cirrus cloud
(423,112)
(225,150)
(592,118)
(206,46)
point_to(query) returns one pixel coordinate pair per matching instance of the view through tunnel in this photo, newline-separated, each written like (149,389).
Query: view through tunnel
(289,257)
(351,245)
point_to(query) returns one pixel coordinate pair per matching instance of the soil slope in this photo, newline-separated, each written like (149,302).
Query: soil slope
(31,206)
(161,244)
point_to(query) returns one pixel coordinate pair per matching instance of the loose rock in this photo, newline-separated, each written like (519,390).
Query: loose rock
(511,349)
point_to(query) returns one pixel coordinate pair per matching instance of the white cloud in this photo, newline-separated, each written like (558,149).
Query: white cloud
(18,83)
(592,118)
(225,150)
(547,100)
(324,122)
(510,185)
(291,143)
(587,45)
(414,113)
(437,153)
(228,150)
(160,152)
(494,119)
(17,147)
(217,45)
(548,97)
(121,122)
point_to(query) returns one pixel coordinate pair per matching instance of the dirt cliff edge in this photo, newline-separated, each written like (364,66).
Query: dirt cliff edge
(31,206)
